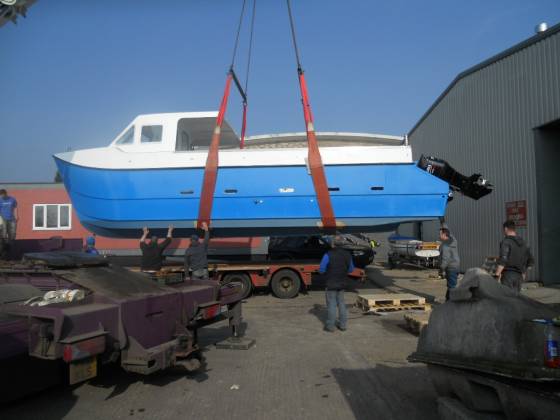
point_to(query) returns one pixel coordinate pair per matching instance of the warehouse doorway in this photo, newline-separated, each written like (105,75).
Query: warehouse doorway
(547,147)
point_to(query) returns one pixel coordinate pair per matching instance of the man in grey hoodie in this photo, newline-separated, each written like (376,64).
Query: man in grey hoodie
(449,258)
(515,258)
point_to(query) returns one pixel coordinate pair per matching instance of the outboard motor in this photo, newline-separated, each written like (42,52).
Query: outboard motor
(474,186)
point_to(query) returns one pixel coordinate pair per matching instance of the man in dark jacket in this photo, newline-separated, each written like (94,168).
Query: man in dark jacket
(449,258)
(515,258)
(152,251)
(196,256)
(336,265)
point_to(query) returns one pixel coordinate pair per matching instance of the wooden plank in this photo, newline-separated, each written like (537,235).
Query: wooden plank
(393,308)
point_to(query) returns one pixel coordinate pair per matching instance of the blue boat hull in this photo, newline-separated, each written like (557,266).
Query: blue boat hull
(251,201)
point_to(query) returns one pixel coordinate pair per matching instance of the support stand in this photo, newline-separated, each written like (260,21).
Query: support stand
(235,341)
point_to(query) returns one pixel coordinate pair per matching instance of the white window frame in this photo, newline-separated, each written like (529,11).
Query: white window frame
(60,205)
(160,141)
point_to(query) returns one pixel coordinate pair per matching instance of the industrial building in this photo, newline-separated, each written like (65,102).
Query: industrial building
(502,118)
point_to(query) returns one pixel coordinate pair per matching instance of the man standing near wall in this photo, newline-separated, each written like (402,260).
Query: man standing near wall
(8,211)
(336,265)
(515,258)
(449,258)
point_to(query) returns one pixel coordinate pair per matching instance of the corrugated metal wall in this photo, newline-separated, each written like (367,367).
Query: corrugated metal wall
(485,123)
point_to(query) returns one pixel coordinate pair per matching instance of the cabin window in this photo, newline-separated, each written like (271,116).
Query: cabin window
(52,217)
(151,134)
(183,141)
(127,137)
(196,134)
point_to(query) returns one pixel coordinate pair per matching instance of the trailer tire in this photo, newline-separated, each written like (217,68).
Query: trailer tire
(285,284)
(244,279)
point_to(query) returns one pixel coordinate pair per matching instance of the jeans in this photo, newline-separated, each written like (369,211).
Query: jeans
(12,227)
(512,279)
(451,276)
(335,298)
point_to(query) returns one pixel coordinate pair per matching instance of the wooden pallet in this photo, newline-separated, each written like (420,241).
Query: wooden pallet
(416,321)
(391,302)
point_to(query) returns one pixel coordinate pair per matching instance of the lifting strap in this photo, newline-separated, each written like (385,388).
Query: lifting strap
(212,160)
(211,169)
(328,221)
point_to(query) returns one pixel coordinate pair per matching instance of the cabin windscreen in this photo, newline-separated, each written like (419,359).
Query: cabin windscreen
(127,137)
(196,134)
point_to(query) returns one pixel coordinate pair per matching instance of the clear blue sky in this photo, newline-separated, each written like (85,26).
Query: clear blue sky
(74,73)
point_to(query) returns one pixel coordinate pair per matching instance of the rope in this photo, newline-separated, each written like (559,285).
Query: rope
(238,33)
(292,26)
(250,46)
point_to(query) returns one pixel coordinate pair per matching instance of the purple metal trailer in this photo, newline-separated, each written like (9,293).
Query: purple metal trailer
(124,317)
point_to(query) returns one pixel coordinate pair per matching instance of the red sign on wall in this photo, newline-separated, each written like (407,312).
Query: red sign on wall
(517,211)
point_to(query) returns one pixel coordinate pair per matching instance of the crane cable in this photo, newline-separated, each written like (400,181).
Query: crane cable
(249,54)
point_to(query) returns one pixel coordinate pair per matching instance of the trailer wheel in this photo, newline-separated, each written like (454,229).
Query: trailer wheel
(244,279)
(285,284)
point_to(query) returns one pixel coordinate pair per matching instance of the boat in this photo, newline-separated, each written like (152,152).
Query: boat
(151,175)
(413,251)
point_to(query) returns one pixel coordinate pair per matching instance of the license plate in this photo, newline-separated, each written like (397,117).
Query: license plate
(223,309)
(82,370)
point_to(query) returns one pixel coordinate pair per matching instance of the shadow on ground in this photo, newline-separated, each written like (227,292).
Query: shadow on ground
(386,392)
(60,401)
(378,278)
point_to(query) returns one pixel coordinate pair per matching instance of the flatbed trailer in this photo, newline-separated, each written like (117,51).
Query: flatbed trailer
(121,317)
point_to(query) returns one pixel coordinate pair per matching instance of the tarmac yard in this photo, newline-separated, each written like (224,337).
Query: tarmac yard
(296,370)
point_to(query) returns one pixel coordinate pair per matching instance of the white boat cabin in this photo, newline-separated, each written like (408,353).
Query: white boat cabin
(174,132)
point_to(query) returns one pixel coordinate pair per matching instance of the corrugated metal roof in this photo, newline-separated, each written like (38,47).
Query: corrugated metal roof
(510,51)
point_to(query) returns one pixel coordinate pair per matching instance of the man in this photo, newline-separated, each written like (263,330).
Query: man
(8,212)
(90,246)
(336,265)
(152,251)
(449,258)
(515,258)
(2,238)
(196,256)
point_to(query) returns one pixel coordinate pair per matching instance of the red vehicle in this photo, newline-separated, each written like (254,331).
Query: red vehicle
(284,278)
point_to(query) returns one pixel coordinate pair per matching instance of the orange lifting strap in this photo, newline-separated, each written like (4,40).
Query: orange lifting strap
(316,163)
(211,169)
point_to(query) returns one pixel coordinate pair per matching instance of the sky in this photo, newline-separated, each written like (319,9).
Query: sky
(75,73)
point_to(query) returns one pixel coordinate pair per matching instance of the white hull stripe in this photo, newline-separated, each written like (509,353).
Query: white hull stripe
(114,158)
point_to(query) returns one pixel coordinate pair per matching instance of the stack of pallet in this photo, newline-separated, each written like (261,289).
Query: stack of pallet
(391,302)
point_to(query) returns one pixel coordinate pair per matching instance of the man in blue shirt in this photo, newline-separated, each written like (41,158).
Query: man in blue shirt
(90,246)
(8,212)
(336,265)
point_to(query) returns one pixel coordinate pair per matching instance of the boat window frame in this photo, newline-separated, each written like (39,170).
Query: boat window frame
(154,141)
(119,140)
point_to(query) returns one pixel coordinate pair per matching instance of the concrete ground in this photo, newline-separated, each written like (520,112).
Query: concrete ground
(296,370)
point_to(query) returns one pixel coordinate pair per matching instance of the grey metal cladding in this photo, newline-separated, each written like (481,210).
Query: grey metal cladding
(485,122)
